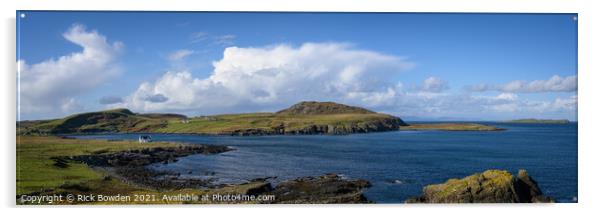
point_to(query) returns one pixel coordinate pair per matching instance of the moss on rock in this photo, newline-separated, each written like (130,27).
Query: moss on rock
(491,186)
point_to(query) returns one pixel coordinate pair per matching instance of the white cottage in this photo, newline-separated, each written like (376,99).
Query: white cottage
(144,139)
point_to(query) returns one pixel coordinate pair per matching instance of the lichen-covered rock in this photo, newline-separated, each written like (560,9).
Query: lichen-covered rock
(491,186)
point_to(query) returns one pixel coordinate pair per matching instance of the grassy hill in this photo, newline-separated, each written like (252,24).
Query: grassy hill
(116,120)
(301,118)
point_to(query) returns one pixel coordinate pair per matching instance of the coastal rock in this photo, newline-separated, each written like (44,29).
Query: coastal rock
(142,157)
(130,166)
(329,188)
(491,186)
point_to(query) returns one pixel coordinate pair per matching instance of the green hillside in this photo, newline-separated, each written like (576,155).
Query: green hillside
(301,118)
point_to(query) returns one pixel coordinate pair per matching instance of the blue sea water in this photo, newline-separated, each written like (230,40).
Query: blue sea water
(398,164)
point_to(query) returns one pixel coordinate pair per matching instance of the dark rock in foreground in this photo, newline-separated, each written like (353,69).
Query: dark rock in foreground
(329,188)
(130,165)
(491,186)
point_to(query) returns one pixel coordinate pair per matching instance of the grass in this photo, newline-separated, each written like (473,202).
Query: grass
(451,127)
(121,120)
(35,169)
(37,174)
(228,123)
(116,120)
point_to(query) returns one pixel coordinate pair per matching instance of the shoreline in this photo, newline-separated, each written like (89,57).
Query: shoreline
(126,172)
(411,127)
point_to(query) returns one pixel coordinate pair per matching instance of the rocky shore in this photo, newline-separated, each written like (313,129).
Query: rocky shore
(329,188)
(491,186)
(130,167)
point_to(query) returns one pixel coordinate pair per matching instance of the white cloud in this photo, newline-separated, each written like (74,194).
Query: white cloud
(434,84)
(179,54)
(276,76)
(553,84)
(51,85)
(507,96)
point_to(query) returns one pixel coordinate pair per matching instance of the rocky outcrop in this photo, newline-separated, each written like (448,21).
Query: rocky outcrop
(385,124)
(491,186)
(329,188)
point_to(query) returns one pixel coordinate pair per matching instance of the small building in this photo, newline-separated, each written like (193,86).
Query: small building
(185,121)
(144,139)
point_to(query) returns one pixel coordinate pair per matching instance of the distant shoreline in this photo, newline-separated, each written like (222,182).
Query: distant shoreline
(450,127)
(539,121)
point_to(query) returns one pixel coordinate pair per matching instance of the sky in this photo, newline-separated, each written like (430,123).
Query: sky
(419,66)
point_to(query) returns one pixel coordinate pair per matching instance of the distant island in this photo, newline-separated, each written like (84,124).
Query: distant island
(450,127)
(539,121)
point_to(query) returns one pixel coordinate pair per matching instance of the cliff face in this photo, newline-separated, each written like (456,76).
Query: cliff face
(384,124)
(378,125)
(491,186)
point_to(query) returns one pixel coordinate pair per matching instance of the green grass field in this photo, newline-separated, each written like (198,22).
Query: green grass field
(36,173)
(35,169)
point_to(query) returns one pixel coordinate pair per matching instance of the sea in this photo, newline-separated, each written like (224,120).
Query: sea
(398,164)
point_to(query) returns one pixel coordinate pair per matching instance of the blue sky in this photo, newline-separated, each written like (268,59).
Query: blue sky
(432,66)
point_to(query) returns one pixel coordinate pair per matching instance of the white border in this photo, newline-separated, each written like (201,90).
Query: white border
(589,103)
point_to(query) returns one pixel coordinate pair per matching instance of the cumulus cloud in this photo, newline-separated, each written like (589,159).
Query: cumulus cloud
(110,100)
(276,76)
(553,84)
(269,78)
(179,54)
(51,85)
